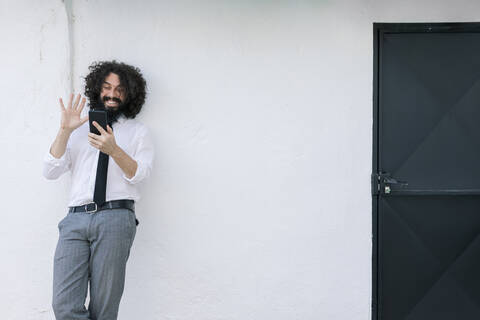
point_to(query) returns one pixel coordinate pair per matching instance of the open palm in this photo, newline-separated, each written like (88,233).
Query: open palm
(71,115)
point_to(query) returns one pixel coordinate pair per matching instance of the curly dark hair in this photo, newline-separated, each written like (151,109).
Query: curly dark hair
(130,77)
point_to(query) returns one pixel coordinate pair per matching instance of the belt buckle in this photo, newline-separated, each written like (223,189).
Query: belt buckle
(90,211)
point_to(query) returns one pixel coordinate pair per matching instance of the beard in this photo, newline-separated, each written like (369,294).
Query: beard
(112,113)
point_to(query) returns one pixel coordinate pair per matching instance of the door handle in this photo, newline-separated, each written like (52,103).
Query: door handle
(383,182)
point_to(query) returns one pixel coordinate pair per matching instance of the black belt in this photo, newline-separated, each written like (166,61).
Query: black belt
(114,204)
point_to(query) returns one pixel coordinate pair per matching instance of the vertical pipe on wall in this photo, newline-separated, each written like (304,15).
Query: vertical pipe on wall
(70,19)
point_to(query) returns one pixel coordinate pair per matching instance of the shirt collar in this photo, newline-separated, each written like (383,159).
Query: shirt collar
(121,119)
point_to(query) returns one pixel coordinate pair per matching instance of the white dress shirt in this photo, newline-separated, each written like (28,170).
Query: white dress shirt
(81,159)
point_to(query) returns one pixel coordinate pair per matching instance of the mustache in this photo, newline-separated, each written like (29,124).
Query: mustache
(117,100)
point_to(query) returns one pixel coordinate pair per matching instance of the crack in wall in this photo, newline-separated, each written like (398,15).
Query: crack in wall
(71,49)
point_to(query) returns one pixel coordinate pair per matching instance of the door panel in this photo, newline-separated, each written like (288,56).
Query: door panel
(429,247)
(427,134)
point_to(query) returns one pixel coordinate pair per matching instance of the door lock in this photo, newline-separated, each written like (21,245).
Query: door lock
(387,189)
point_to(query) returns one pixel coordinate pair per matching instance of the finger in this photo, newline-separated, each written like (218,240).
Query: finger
(76,102)
(70,101)
(93,135)
(94,145)
(82,104)
(62,106)
(109,129)
(93,142)
(99,127)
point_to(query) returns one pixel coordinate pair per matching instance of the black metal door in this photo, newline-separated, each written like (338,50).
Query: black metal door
(426,171)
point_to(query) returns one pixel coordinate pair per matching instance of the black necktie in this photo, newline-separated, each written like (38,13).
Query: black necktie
(101,178)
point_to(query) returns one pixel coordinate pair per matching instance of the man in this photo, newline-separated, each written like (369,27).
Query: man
(97,233)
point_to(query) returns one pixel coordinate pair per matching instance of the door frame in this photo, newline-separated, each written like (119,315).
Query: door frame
(378,30)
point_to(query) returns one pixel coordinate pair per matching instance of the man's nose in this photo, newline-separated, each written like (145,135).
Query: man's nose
(112,94)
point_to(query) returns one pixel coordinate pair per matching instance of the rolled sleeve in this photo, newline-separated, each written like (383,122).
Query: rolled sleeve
(55,167)
(144,155)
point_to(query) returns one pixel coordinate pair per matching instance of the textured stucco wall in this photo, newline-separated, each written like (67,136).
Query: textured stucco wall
(35,70)
(262,121)
(259,202)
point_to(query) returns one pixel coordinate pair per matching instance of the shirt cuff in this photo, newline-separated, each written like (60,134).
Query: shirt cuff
(57,162)
(139,174)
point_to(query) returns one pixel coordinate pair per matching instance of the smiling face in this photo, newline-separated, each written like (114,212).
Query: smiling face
(113,93)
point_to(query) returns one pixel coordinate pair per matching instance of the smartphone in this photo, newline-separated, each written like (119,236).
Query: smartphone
(100,117)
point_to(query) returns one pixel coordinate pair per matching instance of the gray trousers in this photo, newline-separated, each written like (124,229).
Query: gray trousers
(91,247)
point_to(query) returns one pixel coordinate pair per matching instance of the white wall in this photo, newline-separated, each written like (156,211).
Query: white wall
(259,203)
(34,70)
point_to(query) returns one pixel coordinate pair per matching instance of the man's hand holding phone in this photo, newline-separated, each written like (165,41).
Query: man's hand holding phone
(105,142)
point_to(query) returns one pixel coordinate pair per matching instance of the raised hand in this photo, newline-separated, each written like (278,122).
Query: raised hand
(71,115)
